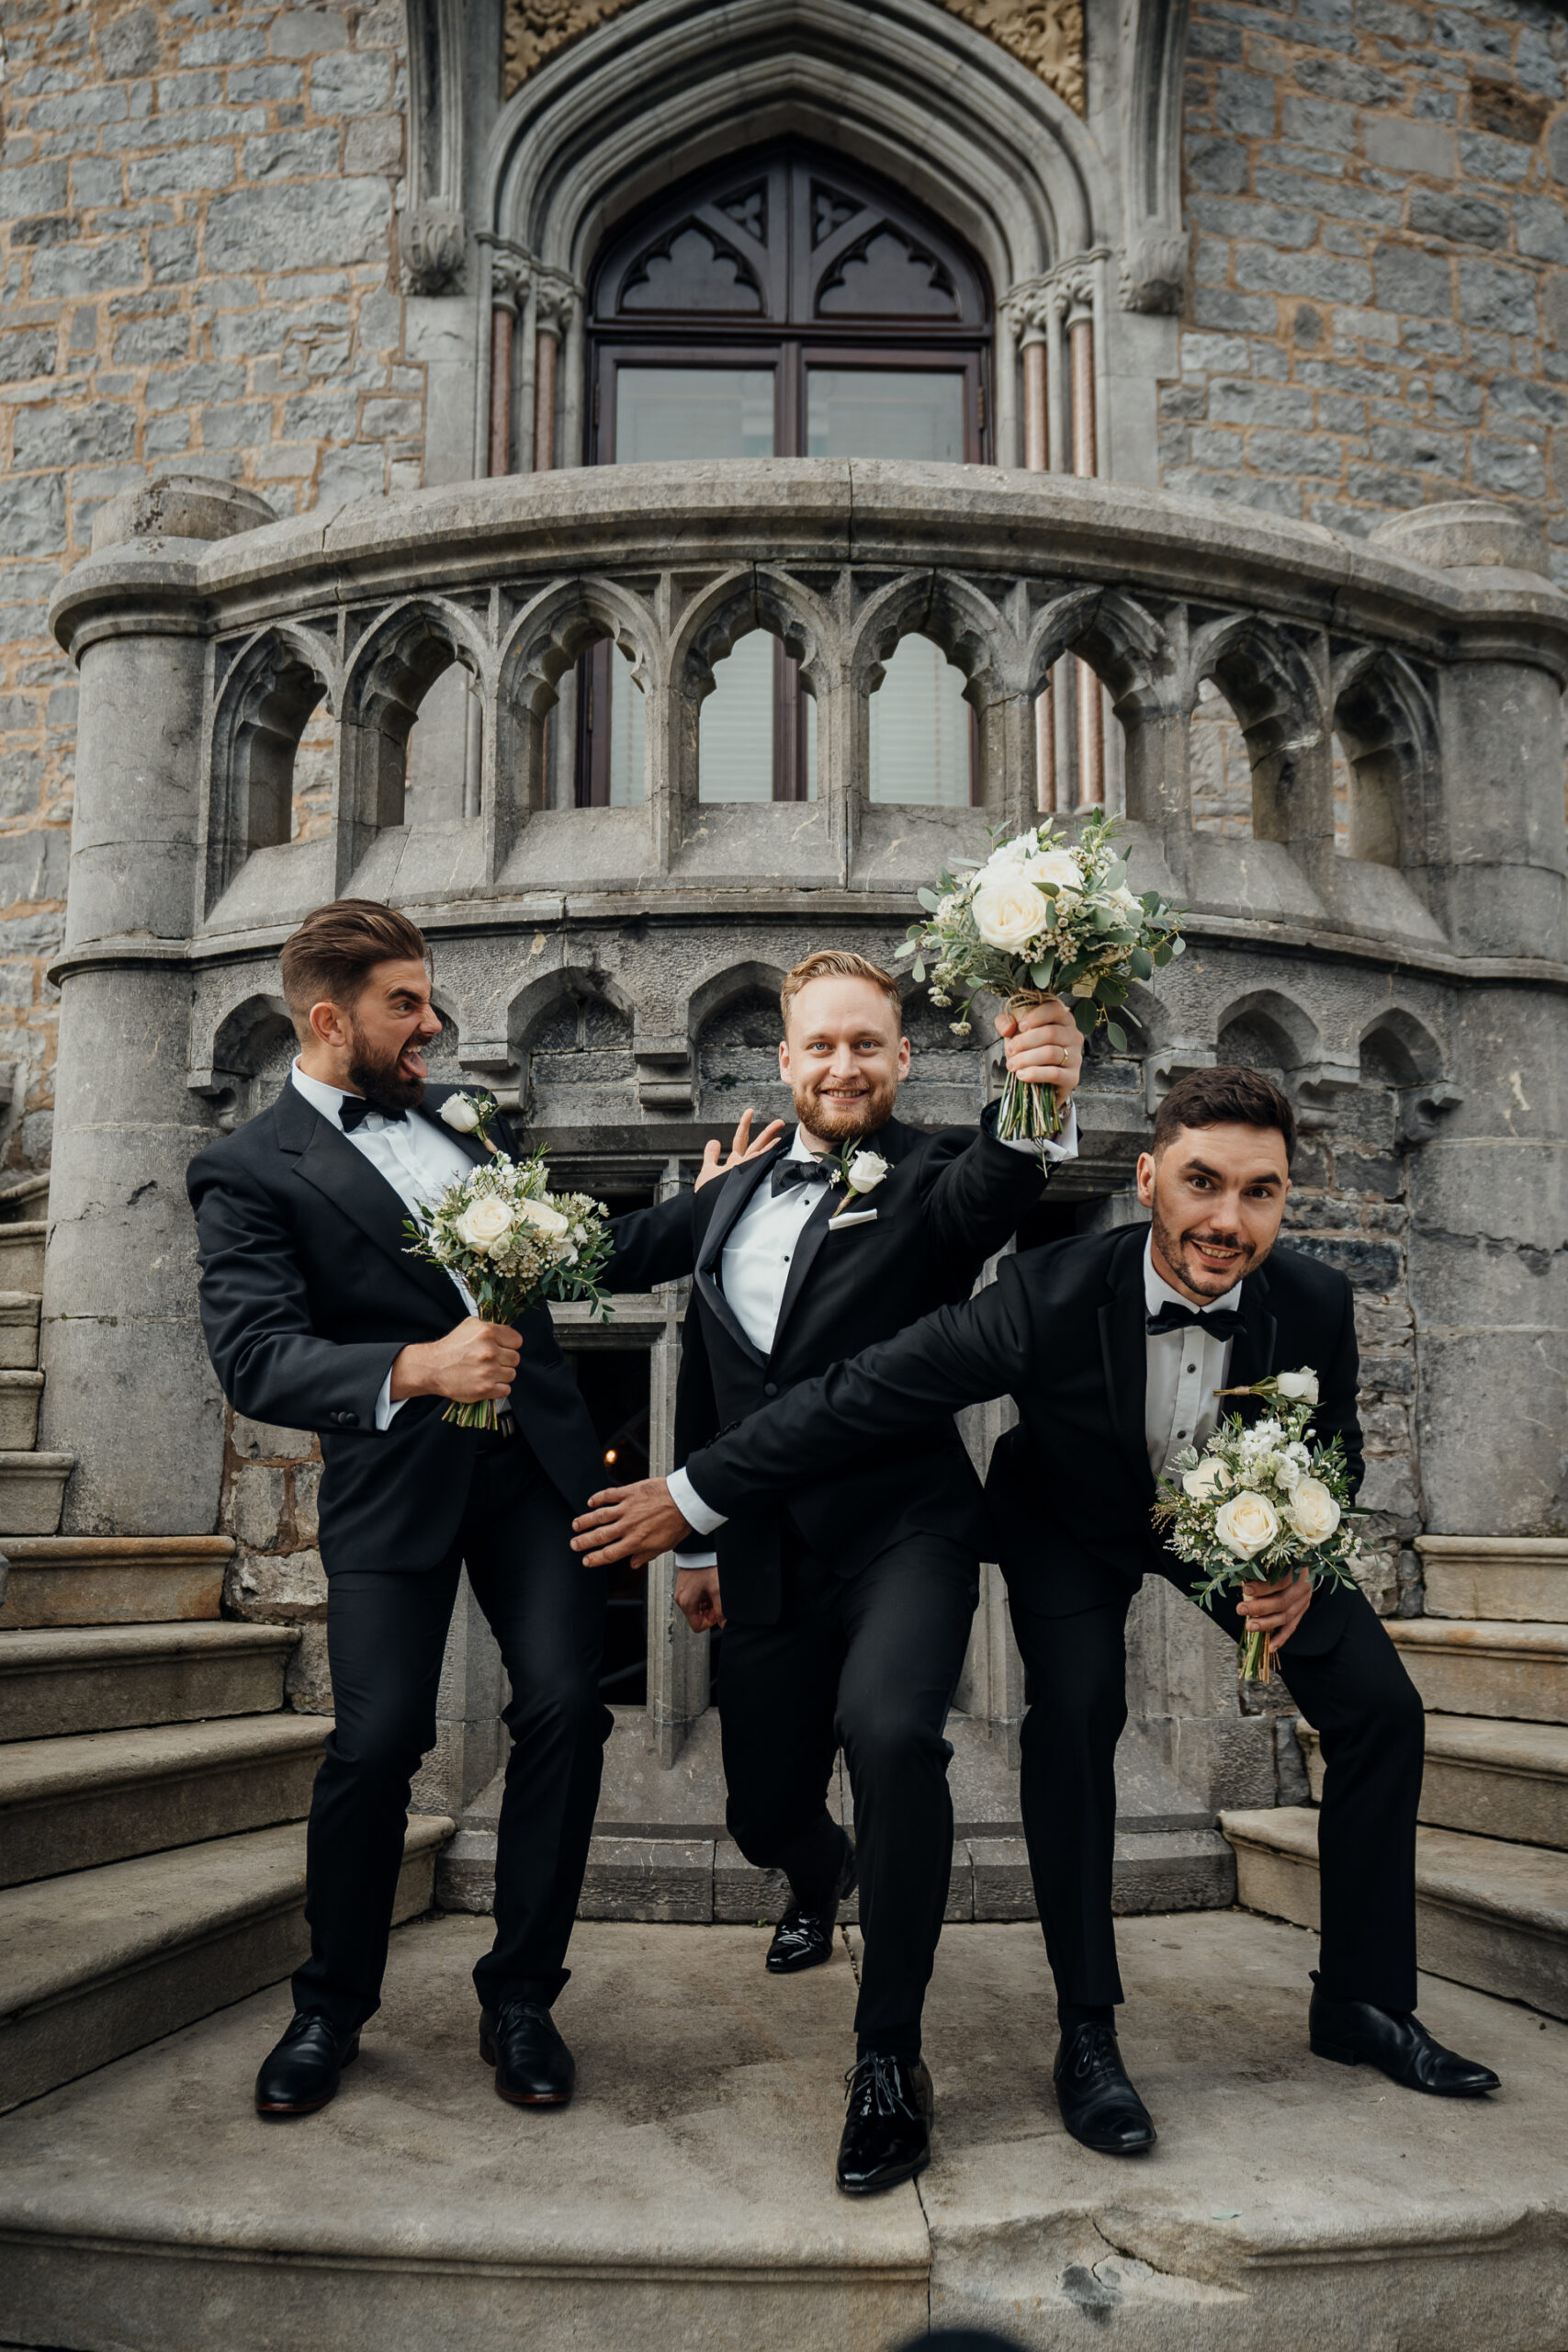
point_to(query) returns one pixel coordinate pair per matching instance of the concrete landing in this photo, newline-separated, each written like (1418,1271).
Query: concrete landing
(685,2199)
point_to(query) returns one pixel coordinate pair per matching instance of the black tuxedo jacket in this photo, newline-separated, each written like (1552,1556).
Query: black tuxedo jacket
(950,1202)
(1070,1488)
(308,1292)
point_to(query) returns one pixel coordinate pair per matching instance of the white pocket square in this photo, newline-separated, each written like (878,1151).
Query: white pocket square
(852,1216)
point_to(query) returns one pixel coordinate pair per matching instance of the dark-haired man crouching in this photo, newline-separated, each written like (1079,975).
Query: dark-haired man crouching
(1112,1347)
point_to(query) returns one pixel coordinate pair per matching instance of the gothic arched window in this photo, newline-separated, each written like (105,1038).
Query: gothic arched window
(784,305)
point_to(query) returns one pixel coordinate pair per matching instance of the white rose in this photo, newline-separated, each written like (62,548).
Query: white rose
(543,1218)
(1248,1524)
(1058,866)
(1298,1388)
(867,1169)
(1313,1511)
(1009,913)
(461,1113)
(1288,1472)
(486,1224)
(1209,1479)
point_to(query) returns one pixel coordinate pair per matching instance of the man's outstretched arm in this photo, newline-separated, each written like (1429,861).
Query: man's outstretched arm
(960,1355)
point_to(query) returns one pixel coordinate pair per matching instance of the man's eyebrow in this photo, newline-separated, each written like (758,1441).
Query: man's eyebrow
(1196,1167)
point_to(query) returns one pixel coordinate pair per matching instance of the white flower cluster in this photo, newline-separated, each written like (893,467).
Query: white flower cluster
(1261,1502)
(512,1240)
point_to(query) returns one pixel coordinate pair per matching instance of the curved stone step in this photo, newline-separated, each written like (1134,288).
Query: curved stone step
(1521,1580)
(1487,1913)
(113,1580)
(101,1961)
(59,1680)
(18,1331)
(20,1395)
(28,1192)
(32,1488)
(21,1255)
(1486,1667)
(69,1805)
(1491,1778)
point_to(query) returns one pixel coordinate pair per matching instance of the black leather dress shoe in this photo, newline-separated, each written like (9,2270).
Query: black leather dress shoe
(804,1939)
(532,2065)
(301,2074)
(1098,2105)
(887,2132)
(1350,2031)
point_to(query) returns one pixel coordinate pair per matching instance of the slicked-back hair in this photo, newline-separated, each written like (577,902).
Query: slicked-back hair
(331,955)
(1229,1096)
(837,964)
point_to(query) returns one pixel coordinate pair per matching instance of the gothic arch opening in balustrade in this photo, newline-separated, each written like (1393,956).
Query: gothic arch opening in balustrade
(276,696)
(1385,720)
(390,777)
(1120,661)
(1270,694)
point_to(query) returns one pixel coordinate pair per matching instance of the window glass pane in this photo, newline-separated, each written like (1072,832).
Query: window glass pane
(885,412)
(692,413)
(626,713)
(735,724)
(919,729)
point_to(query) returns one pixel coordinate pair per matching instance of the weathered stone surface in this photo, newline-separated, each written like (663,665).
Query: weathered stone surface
(112,1580)
(89,1678)
(1525,1580)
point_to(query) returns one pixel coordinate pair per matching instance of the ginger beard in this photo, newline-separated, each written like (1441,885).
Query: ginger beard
(841,1110)
(1207,1275)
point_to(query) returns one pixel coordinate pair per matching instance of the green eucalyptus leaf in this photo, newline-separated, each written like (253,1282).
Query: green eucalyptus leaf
(1117,1036)
(1142,963)
(918,970)
(927,899)
(1085,1015)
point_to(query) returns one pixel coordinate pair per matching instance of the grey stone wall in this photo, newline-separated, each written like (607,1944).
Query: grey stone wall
(197,206)
(1377,308)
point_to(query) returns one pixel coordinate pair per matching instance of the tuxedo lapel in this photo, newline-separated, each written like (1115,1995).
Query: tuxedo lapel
(813,1235)
(344,1177)
(469,1145)
(1123,1349)
(736,1191)
(1252,1351)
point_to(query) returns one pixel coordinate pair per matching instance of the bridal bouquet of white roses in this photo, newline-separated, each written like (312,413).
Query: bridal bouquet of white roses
(513,1242)
(1260,1502)
(1043,916)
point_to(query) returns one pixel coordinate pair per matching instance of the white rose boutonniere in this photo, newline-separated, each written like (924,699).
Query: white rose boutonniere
(856,1173)
(470,1115)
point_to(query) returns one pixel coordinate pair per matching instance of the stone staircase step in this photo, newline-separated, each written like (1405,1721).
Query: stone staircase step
(18,1331)
(99,1962)
(1487,1913)
(1522,1578)
(29,1195)
(59,1680)
(32,1488)
(21,1255)
(1486,1776)
(69,1805)
(112,1580)
(1487,1667)
(1489,1777)
(20,1395)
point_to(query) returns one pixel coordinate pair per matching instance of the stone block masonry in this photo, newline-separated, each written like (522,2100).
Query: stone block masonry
(197,208)
(1377,312)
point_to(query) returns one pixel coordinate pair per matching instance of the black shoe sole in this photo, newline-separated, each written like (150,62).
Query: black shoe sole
(1343,2056)
(797,1967)
(888,2179)
(522,2098)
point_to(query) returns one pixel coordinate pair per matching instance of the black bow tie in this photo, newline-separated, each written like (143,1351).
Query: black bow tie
(1220,1322)
(356,1107)
(790,1172)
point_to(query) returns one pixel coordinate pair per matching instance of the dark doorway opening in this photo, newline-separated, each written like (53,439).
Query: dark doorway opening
(613,1383)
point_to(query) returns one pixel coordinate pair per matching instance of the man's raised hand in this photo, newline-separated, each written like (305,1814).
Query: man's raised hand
(1044,1045)
(475,1359)
(1276,1609)
(741,1149)
(630,1523)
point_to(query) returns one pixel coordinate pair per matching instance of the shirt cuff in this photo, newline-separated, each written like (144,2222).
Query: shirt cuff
(691,1505)
(696,1559)
(1065,1146)
(385,1411)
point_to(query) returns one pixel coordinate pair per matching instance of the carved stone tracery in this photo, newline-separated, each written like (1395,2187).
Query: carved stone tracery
(1047,36)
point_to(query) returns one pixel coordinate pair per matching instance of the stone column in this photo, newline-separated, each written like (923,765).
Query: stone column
(1036,451)
(502,323)
(1085,461)
(128,1386)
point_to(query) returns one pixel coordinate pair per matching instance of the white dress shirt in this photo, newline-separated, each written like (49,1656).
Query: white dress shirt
(754,1273)
(417,1160)
(1183,1370)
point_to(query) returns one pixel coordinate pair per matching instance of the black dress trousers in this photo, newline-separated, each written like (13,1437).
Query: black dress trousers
(386,1633)
(868,1663)
(1368,1716)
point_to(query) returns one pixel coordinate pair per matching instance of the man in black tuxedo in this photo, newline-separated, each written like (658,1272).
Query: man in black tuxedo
(1112,1347)
(317,1317)
(847,1604)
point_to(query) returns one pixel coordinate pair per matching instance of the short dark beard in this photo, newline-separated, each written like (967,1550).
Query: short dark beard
(872,1111)
(1167,1244)
(381,1077)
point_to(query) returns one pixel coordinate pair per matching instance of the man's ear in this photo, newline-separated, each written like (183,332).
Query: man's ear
(327,1023)
(1146,1179)
(903,1058)
(783,1059)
